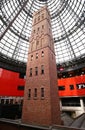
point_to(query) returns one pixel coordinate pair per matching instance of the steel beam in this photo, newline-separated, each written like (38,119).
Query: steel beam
(24,4)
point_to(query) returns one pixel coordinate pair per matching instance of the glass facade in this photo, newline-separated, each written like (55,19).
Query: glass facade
(67,21)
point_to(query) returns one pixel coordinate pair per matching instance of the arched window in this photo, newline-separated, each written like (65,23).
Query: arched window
(42,69)
(38,28)
(42,26)
(42,93)
(31,57)
(29,93)
(42,54)
(35,20)
(36,70)
(38,18)
(30,71)
(42,16)
(35,92)
(33,31)
(36,55)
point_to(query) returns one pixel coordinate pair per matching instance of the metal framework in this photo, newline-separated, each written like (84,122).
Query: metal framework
(68,28)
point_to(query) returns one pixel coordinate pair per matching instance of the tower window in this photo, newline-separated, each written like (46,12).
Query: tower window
(30,71)
(42,16)
(35,92)
(38,18)
(42,26)
(42,69)
(36,70)
(34,31)
(42,54)
(29,93)
(42,92)
(37,43)
(31,57)
(36,55)
(35,20)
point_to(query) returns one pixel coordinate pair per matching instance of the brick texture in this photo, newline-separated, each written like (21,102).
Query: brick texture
(39,110)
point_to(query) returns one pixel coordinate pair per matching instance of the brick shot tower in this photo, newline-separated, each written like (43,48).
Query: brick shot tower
(41,100)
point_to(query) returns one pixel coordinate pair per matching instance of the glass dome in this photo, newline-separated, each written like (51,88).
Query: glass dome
(68,28)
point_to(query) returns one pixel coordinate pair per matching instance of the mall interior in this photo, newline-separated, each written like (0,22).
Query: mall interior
(41,39)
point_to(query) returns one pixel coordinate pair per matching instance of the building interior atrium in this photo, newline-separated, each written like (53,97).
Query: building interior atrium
(67,20)
(68,30)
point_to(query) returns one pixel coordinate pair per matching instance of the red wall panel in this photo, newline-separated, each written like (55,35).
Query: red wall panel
(9,81)
(71,81)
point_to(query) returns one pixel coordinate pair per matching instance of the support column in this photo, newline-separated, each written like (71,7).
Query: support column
(60,105)
(81,111)
(82,105)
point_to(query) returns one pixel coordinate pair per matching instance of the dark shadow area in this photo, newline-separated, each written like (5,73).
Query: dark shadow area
(10,111)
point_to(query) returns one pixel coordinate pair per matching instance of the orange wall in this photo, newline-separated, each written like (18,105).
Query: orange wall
(71,81)
(9,81)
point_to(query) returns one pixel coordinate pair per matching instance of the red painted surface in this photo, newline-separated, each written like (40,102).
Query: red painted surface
(9,81)
(72,81)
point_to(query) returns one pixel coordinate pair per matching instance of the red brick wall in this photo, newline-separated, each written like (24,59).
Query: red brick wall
(42,111)
(46,110)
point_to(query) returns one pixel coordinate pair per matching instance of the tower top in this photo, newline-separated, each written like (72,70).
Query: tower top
(41,35)
(41,10)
